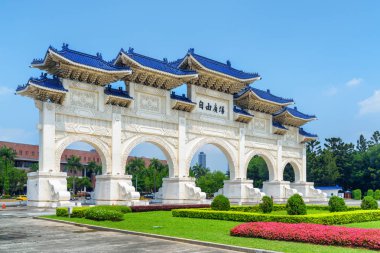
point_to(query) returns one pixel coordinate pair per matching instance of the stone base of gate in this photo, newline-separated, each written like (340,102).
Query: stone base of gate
(47,189)
(241,191)
(280,191)
(116,190)
(176,190)
(309,192)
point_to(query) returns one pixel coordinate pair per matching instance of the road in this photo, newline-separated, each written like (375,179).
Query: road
(19,232)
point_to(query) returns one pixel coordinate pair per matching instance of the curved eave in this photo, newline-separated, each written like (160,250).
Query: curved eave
(43,94)
(251,92)
(181,105)
(181,77)
(279,131)
(310,118)
(55,54)
(248,80)
(307,139)
(118,100)
(243,118)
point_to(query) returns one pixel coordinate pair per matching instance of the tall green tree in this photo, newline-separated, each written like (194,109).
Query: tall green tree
(94,168)
(198,171)
(74,165)
(211,182)
(362,144)
(258,171)
(7,157)
(375,138)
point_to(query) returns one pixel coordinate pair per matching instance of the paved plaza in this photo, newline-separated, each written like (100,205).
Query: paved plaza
(19,232)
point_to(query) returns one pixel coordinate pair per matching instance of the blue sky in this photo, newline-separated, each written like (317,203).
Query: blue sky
(323,54)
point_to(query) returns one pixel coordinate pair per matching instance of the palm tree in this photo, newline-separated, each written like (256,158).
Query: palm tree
(135,165)
(94,168)
(7,157)
(74,165)
(199,171)
(156,166)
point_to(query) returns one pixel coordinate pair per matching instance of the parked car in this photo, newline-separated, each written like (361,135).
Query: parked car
(149,196)
(22,198)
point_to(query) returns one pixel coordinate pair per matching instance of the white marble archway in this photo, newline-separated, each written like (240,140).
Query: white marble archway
(269,160)
(297,168)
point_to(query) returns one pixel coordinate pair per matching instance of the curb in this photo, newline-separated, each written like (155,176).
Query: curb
(164,237)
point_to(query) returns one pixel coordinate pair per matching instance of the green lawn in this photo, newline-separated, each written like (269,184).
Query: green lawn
(163,223)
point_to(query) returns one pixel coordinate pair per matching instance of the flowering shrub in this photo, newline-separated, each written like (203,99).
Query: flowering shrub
(166,207)
(322,218)
(311,233)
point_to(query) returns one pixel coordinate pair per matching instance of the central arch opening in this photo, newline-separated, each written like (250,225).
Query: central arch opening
(210,166)
(148,164)
(258,171)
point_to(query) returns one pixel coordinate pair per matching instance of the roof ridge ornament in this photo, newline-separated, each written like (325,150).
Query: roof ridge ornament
(229,63)
(65,46)
(165,60)
(130,50)
(191,51)
(99,55)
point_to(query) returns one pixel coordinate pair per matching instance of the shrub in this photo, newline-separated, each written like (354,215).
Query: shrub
(266,206)
(6,196)
(101,214)
(322,218)
(370,193)
(357,194)
(337,204)
(376,195)
(369,203)
(295,205)
(166,207)
(311,233)
(122,209)
(220,203)
(61,212)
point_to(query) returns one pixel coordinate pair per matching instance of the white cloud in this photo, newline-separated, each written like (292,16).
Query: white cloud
(5,90)
(370,104)
(332,91)
(354,82)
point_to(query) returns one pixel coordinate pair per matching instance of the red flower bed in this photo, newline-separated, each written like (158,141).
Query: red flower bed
(311,233)
(166,207)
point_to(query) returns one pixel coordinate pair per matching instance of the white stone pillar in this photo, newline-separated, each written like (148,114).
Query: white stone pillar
(242,172)
(280,174)
(183,171)
(304,163)
(116,167)
(168,104)
(47,138)
(101,99)
(131,92)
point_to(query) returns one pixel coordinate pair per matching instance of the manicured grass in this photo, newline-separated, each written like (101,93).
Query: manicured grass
(372,224)
(163,223)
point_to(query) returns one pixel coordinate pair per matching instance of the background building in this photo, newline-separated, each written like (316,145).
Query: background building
(202,159)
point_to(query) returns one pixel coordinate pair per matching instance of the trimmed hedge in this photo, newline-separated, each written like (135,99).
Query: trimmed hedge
(150,208)
(267,204)
(376,195)
(370,193)
(357,194)
(221,203)
(78,212)
(122,209)
(295,205)
(337,204)
(327,218)
(369,203)
(282,207)
(101,214)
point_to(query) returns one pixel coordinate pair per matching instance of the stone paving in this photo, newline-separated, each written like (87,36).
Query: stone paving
(19,232)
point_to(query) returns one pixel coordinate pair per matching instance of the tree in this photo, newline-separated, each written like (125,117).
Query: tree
(34,167)
(327,171)
(134,166)
(94,168)
(362,144)
(375,138)
(199,171)
(7,156)
(289,173)
(156,167)
(211,182)
(74,165)
(257,171)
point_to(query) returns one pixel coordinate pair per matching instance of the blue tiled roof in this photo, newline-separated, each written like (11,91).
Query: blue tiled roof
(266,95)
(336,187)
(181,98)
(116,92)
(224,68)
(278,125)
(163,65)
(241,111)
(306,134)
(51,83)
(295,113)
(83,59)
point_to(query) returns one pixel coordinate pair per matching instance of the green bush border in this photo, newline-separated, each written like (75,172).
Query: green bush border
(327,219)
